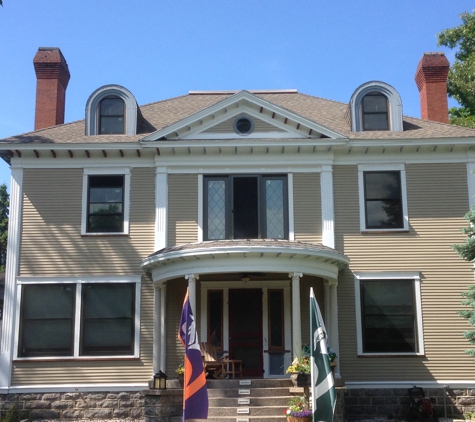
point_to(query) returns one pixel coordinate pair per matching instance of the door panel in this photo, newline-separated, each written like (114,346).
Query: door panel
(245,330)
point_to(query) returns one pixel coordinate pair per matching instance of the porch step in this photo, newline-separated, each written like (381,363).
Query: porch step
(254,400)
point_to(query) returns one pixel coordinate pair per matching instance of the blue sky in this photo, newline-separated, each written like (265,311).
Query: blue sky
(160,49)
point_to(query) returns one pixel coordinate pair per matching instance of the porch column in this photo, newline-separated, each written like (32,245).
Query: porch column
(333,321)
(163,327)
(157,339)
(328,217)
(296,321)
(192,291)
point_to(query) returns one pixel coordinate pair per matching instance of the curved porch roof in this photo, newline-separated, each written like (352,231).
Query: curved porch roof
(262,255)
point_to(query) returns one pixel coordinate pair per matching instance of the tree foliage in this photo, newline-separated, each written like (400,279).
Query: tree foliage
(4,209)
(467,252)
(461,78)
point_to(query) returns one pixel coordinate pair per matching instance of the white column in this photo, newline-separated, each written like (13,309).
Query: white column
(471,183)
(296,321)
(161,206)
(11,271)
(163,329)
(333,332)
(157,332)
(192,291)
(328,230)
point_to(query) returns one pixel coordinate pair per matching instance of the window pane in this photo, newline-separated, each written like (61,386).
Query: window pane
(375,121)
(215,309)
(382,185)
(275,209)
(388,316)
(276,319)
(384,215)
(246,208)
(112,107)
(375,104)
(47,320)
(108,315)
(105,195)
(216,209)
(111,125)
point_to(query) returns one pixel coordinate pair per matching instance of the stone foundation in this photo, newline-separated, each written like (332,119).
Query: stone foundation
(394,403)
(76,406)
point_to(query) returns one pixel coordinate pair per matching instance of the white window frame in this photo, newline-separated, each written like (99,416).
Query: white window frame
(362,168)
(137,280)
(390,275)
(123,171)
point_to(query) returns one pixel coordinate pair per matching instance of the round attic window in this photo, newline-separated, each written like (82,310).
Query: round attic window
(243,125)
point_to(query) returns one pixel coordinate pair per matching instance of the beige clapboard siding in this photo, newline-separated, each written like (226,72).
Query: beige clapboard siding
(228,127)
(51,242)
(437,201)
(307,207)
(182,209)
(100,371)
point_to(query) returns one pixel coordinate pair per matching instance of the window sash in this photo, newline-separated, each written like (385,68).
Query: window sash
(111,116)
(383,203)
(105,204)
(388,316)
(50,330)
(226,203)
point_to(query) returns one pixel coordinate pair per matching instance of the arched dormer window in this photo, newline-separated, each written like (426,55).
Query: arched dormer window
(111,109)
(111,115)
(376,106)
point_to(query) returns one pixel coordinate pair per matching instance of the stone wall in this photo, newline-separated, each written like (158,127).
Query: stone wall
(76,406)
(363,404)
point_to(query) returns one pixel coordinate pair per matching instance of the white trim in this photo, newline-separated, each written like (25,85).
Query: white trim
(362,168)
(351,385)
(290,205)
(328,217)
(59,388)
(10,309)
(161,208)
(78,282)
(390,275)
(124,171)
(201,202)
(471,184)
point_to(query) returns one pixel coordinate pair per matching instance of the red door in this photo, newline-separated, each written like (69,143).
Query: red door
(245,330)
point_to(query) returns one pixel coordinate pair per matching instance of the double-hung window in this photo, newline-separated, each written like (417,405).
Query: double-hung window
(75,319)
(245,207)
(383,204)
(106,201)
(388,313)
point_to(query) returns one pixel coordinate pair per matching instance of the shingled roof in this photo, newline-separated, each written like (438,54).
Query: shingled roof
(161,114)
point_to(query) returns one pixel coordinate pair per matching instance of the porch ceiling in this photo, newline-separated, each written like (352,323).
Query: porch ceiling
(227,256)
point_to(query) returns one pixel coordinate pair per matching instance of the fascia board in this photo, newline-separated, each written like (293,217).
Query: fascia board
(66,146)
(234,99)
(410,142)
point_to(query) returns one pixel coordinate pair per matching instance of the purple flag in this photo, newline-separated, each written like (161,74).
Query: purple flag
(195,393)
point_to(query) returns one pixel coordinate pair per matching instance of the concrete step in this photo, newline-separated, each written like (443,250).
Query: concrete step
(249,401)
(246,411)
(246,392)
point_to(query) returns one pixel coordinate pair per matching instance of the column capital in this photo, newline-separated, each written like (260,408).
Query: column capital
(295,275)
(192,277)
(331,282)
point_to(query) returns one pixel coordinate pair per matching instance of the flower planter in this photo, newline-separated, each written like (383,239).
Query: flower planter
(294,419)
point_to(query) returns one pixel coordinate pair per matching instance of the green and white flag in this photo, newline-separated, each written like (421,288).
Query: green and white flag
(323,384)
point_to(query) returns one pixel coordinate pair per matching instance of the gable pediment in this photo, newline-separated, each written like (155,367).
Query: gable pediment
(219,122)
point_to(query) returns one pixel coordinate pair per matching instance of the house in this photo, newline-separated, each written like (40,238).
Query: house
(247,199)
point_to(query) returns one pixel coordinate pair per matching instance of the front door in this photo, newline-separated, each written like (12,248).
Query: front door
(245,330)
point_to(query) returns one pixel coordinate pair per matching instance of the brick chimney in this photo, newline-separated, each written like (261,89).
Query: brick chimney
(431,79)
(52,77)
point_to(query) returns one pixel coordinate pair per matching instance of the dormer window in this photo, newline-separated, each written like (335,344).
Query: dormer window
(111,110)
(375,111)
(376,106)
(111,118)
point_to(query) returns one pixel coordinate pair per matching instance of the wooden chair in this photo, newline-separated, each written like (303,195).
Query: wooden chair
(219,367)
